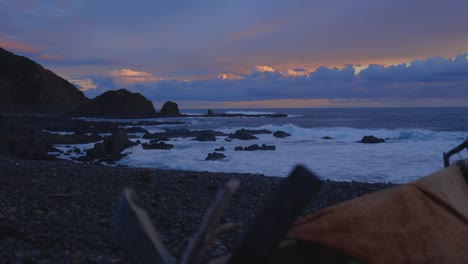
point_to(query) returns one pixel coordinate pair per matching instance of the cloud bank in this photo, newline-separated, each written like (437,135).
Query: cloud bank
(434,77)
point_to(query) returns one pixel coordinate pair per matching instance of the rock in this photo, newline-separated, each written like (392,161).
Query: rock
(110,149)
(210,113)
(243,134)
(160,145)
(170,109)
(3,134)
(136,130)
(220,149)
(120,104)
(215,156)
(239,148)
(27,87)
(281,134)
(26,145)
(255,147)
(371,140)
(206,136)
(327,138)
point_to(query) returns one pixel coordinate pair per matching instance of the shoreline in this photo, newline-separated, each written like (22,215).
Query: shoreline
(59,211)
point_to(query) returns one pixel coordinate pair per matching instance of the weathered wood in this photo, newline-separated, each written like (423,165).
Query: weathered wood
(201,242)
(134,230)
(288,202)
(454,151)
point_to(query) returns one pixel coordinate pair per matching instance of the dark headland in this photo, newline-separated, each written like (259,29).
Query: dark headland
(55,211)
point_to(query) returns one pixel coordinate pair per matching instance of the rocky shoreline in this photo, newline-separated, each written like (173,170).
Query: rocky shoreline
(60,212)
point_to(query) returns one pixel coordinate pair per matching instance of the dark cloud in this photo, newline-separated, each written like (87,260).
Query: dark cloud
(431,78)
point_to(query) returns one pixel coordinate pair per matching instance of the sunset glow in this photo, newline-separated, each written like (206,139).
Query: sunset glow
(291,54)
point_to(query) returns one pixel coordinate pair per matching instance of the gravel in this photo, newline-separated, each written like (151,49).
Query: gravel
(60,212)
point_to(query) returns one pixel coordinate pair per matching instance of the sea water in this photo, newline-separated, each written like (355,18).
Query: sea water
(416,139)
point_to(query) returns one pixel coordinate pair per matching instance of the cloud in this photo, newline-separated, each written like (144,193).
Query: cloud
(18,46)
(48,57)
(436,78)
(128,76)
(434,69)
(83,84)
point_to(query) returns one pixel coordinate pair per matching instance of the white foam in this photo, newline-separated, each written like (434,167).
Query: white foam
(62,133)
(399,160)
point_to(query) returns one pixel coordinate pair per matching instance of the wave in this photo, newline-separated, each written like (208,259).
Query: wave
(355,134)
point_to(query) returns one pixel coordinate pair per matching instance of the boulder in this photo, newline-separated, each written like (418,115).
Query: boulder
(136,130)
(211,113)
(159,145)
(206,136)
(371,140)
(243,134)
(170,109)
(110,149)
(255,147)
(120,104)
(27,145)
(281,134)
(27,87)
(239,148)
(326,138)
(215,156)
(220,149)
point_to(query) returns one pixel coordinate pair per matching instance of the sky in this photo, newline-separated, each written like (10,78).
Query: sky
(251,54)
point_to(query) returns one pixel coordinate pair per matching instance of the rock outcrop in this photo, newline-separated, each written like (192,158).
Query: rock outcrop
(110,149)
(169,109)
(281,134)
(206,135)
(255,147)
(157,145)
(215,156)
(27,87)
(120,104)
(371,140)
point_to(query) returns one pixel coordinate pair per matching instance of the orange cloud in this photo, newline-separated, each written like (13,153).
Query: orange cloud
(128,76)
(263,68)
(294,73)
(48,57)
(17,46)
(83,84)
(229,76)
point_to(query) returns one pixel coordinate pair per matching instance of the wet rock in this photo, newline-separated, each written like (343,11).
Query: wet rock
(281,134)
(215,156)
(159,145)
(206,136)
(371,140)
(239,148)
(110,149)
(326,138)
(25,144)
(242,134)
(136,130)
(256,147)
(220,149)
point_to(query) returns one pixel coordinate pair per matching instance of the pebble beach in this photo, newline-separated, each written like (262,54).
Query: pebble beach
(61,212)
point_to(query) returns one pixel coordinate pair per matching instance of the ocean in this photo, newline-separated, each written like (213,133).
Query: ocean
(415,141)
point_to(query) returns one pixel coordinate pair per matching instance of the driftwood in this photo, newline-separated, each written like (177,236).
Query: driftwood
(143,244)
